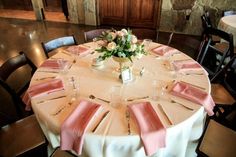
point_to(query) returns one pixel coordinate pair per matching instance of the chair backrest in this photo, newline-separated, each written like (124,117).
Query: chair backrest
(210,56)
(206,21)
(145,33)
(227,76)
(170,38)
(6,70)
(90,35)
(229,12)
(58,42)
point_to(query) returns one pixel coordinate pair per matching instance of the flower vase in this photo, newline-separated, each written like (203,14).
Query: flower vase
(121,61)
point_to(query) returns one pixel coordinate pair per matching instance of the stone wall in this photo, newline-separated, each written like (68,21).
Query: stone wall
(183,16)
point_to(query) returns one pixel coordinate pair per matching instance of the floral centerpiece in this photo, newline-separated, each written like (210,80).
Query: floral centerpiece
(122,44)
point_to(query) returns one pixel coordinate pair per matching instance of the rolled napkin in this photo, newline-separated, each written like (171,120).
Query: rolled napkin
(164,50)
(74,127)
(151,129)
(42,88)
(78,49)
(54,64)
(195,95)
(185,65)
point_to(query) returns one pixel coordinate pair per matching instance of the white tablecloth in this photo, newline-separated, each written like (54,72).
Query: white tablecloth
(111,139)
(228,24)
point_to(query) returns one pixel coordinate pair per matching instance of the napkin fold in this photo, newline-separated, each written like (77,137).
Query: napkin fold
(54,64)
(41,88)
(164,50)
(185,65)
(78,49)
(74,127)
(151,129)
(195,95)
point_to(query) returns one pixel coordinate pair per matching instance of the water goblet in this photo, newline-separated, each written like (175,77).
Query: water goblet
(116,96)
(73,89)
(146,43)
(154,90)
(63,66)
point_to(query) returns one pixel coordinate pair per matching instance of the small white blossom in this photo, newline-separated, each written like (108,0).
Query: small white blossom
(134,39)
(124,31)
(133,47)
(111,46)
(120,33)
(121,54)
(139,55)
(113,35)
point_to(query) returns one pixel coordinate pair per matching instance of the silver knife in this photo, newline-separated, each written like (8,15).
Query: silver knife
(104,115)
(164,113)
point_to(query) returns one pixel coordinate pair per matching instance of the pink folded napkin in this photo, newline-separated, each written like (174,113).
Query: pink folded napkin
(185,65)
(164,50)
(42,88)
(195,95)
(74,127)
(151,129)
(54,64)
(78,49)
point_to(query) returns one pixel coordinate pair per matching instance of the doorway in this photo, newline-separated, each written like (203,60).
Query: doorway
(130,13)
(56,10)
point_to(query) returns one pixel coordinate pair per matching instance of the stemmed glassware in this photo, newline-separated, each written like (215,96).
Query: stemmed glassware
(73,89)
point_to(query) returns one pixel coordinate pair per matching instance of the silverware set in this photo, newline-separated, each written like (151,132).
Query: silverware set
(101,120)
(94,97)
(186,107)
(127,115)
(138,98)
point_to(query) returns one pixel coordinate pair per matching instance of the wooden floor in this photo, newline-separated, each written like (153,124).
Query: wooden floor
(30,15)
(27,34)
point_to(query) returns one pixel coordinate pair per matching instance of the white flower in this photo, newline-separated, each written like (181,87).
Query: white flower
(139,55)
(113,35)
(134,39)
(120,33)
(133,47)
(124,31)
(111,46)
(121,54)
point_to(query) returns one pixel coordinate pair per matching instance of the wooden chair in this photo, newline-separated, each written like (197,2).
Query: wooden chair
(60,153)
(223,87)
(23,138)
(90,35)
(206,22)
(217,141)
(8,69)
(187,44)
(219,136)
(211,58)
(58,42)
(144,33)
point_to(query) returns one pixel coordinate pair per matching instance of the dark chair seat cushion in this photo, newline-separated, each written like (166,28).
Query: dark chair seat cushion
(21,137)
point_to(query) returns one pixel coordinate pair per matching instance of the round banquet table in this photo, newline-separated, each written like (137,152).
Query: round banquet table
(111,138)
(228,24)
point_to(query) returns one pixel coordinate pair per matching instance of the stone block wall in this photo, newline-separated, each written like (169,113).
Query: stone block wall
(183,16)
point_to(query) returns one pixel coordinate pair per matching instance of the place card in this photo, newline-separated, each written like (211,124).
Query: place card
(126,75)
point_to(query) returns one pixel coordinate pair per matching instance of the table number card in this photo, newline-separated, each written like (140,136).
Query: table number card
(126,75)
